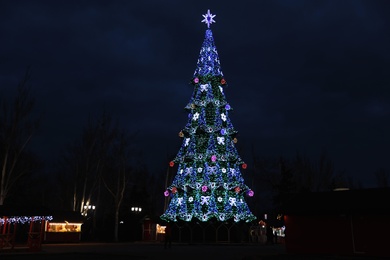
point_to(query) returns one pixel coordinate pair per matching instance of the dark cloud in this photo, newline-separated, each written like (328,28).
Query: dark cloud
(302,75)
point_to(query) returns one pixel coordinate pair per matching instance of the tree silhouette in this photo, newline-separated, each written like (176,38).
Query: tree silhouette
(99,169)
(283,176)
(17,127)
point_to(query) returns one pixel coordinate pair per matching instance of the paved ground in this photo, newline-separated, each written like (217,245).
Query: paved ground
(139,250)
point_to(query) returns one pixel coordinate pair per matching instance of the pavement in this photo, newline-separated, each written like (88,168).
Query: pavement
(156,250)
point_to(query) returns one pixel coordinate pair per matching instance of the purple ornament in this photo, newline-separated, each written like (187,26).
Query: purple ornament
(223,131)
(204,188)
(166,193)
(213,158)
(250,193)
(227,107)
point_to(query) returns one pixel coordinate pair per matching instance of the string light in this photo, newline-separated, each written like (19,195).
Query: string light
(24,219)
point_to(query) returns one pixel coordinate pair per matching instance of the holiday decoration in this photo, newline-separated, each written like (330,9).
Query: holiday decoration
(24,219)
(208,18)
(209,183)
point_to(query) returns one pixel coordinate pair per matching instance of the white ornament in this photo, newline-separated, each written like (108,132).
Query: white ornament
(203,87)
(188,171)
(179,201)
(212,169)
(187,142)
(187,217)
(221,140)
(196,116)
(190,199)
(232,201)
(223,116)
(204,200)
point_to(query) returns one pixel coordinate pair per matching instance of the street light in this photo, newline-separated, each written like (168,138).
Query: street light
(136,209)
(88,208)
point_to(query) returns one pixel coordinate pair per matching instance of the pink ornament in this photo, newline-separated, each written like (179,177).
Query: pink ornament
(250,193)
(196,80)
(166,193)
(204,188)
(213,158)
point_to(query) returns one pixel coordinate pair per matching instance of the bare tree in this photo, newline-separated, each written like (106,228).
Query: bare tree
(17,127)
(83,163)
(118,176)
(99,168)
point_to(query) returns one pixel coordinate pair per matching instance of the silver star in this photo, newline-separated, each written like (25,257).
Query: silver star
(208,18)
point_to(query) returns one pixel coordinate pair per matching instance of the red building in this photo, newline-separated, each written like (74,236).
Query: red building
(347,222)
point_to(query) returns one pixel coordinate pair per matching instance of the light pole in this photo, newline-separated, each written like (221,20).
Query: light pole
(90,210)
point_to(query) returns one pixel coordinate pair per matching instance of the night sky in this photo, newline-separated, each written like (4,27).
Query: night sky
(302,76)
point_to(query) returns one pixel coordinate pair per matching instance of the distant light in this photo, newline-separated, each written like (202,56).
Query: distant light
(136,209)
(340,189)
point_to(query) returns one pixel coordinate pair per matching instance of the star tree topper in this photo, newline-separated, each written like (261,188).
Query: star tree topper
(208,18)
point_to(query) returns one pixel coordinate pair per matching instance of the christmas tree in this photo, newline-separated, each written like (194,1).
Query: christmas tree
(208,183)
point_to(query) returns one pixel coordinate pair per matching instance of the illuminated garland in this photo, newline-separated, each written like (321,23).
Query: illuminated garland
(24,219)
(208,183)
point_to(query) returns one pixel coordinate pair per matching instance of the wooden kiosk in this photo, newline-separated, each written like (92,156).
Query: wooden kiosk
(11,217)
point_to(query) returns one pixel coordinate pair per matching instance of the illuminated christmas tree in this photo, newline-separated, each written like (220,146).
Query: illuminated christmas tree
(208,183)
